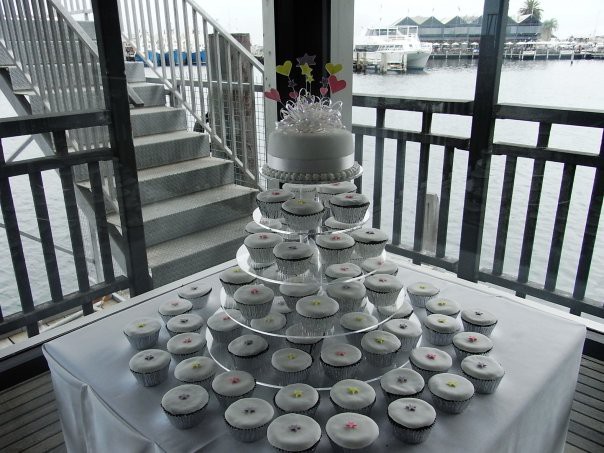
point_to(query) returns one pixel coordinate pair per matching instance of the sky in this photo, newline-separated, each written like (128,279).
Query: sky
(575,18)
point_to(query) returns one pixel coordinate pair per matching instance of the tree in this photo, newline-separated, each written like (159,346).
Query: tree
(548,27)
(531,7)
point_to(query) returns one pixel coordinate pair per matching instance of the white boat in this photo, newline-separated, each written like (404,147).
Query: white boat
(393,46)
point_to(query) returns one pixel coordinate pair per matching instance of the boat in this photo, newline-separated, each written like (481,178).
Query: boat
(395,47)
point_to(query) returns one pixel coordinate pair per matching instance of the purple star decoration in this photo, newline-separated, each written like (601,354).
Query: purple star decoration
(306,59)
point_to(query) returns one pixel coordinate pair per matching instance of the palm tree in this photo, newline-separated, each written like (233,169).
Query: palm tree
(548,27)
(531,7)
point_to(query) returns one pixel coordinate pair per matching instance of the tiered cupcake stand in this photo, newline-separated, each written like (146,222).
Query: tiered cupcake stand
(269,276)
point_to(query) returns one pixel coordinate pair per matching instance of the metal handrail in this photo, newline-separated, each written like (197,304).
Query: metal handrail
(214,96)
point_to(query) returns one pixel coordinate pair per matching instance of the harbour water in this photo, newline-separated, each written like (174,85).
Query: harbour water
(544,83)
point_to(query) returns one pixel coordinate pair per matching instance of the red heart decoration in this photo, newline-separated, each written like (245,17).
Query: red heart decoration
(336,85)
(323,91)
(273,94)
(293,94)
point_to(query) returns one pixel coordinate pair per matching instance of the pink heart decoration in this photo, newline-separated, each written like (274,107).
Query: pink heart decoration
(273,95)
(293,94)
(323,91)
(336,85)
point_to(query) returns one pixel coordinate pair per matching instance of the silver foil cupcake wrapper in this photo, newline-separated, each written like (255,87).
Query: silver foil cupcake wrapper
(408,343)
(382,299)
(485,330)
(248,435)
(390,397)
(225,401)
(143,342)
(369,250)
(291,377)
(152,379)
(460,354)
(420,301)
(199,302)
(362,410)
(426,374)
(314,349)
(293,267)
(269,210)
(454,315)
(339,449)
(349,305)
(450,407)
(186,421)
(205,383)
(172,333)
(439,338)
(225,336)
(349,214)
(249,363)
(316,326)
(166,318)
(254,311)
(335,256)
(380,360)
(303,222)
(409,435)
(261,257)
(310,412)
(341,372)
(188,355)
(483,386)
(230,288)
(308,450)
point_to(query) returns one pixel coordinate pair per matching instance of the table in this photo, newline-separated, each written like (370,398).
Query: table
(103,409)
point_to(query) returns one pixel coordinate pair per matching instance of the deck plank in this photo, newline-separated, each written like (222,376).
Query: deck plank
(597,375)
(59,449)
(15,422)
(588,422)
(588,410)
(594,383)
(36,437)
(589,401)
(20,400)
(592,365)
(24,387)
(594,360)
(31,406)
(52,443)
(590,391)
(582,443)
(25,431)
(586,432)
(568,448)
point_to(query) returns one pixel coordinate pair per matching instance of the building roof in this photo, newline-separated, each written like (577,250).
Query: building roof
(527,19)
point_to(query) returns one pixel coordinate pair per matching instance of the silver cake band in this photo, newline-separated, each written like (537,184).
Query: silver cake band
(305,165)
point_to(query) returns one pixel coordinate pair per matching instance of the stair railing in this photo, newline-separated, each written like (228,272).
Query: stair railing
(207,71)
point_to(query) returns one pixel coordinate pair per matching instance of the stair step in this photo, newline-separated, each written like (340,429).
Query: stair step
(157,120)
(152,94)
(161,149)
(178,258)
(135,71)
(169,219)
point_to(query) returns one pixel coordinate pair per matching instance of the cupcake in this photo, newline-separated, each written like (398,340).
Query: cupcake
(298,399)
(344,270)
(296,337)
(442,306)
(294,433)
(408,332)
(349,207)
(233,385)
(429,361)
(379,265)
(380,347)
(334,247)
(340,360)
(264,226)
(471,343)
(440,329)
(317,313)
(254,301)
(451,393)
(404,311)
(477,320)
(188,322)
(247,351)
(349,295)
(421,292)
(247,419)
(352,395)
(172,308)
(196,293)
(273,323)
(369,242)
(302,191)
(401,383)
(185,405)
(412,419)
(196,370)
(293,258)
(485,373)
(355,322)
(291,365)
(333,225)
(326,191)
(349,432)
(234,278)
(270,201)
(150,367)
(383,289)
(295,288)
(185,345)
(302,215)
(279,306)
(260,247)
(142,333)
(272,278)
(223,327)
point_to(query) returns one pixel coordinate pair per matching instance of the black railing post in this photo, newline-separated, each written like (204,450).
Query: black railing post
(115,90)
(483,125)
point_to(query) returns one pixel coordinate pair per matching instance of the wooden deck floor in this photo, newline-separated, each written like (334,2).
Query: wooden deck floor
(29,421)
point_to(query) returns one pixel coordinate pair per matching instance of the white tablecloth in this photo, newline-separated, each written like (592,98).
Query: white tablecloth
(103,409)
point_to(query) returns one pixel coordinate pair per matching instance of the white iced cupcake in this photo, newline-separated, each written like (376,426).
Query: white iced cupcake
(404,311)
(351,432)
(380,347)
(185,405)
(254,301)
(349,207)
(352,395)
(248,351)
(355,322)
(296,337)
(293,258)
(295,288)
(294,433)
(485,373)
(247,419)
(401,383)
(340,360)
(186,345)
(189,322)
(451,393)
(223,327)
(291,365)
(264,226)
(196,370)
(471,343)
(421,292)
(477,320)
(332,224)
(369,242)
(379,265)
(150,367)
(334,247)
(302,191)
(234,278)
(142,333)
(349,295)
(273,324)
(230,386)
(317,313)
(343,270)
(174,307)
(327,191)
(407,331)
(298,399)
(430,361)
(440,329)
(302,215)
(269,202)
(260,247)
(196,293)
(383,289)
(442,306)
(280,306)
(412,419)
